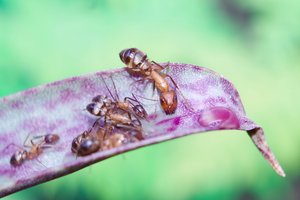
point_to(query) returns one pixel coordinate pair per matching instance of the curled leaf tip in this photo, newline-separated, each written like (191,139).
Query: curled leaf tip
(258,138)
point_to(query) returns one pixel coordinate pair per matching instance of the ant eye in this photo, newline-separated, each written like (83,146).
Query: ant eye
(163,101)
(91,108)
(74,146)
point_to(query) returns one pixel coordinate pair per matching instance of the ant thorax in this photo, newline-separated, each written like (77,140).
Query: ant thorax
(34,152)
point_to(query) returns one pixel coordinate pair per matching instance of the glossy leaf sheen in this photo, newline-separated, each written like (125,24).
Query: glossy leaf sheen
(59,108)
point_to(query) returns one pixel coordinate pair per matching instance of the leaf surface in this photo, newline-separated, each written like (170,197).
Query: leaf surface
(212,104)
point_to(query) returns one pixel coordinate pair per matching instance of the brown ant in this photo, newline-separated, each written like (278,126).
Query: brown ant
(90,142)
(35,149)
(138,63)
(118,112)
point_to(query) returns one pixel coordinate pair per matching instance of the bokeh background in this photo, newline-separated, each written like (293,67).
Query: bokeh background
(255,44)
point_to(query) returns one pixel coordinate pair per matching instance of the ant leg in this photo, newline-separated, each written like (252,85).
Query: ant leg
(112,96)
(115,88)
(128,127)
(38,136)
(12,144)
(138,123)
(170,77)
(146,98)
(135,108)
(142,98)
(131,99)
(140,112)
(41,162)
(31,142)
(161,67)
(97,120)
(153,89)
(46,146)
(109,125)
(142,80)
(129,115)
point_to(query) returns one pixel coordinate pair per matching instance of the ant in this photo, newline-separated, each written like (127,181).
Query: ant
(118,112)
(90,142)
(35,149)
(138,62)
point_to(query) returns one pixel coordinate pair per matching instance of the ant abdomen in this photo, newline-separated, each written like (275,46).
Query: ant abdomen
(51,138)
(88,146)
(133,57)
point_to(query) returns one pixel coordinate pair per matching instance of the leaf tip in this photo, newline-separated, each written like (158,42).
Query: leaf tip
(258,138)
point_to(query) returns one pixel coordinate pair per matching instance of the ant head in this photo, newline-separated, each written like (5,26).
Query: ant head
(18,158)
(88,146)
(168,101)
(76,143)
(94,108)
(102,100)
(51,138)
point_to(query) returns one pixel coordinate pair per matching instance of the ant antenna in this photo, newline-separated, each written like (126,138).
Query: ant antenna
(25,141)
(144,97)
(41,163)
(12,144)
(115,88)
(108,89)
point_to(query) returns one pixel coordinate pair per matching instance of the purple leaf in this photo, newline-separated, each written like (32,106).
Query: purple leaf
(59,108)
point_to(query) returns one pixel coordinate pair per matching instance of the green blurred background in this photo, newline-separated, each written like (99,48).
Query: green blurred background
(255,44)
